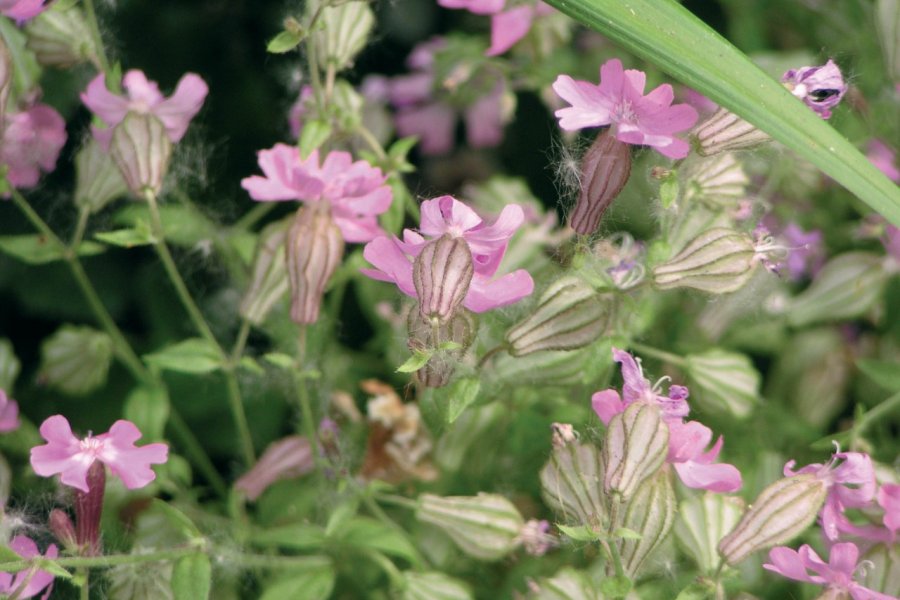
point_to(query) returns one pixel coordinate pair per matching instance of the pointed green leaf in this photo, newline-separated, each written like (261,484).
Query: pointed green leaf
(415,362)
(190,356)
(885,374)
(35,249)
(191,578)
(284,42)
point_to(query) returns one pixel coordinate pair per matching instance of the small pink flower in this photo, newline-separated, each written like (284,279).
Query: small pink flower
(356,191)
(888,498)
(67,455)
(393,259)
(807,254)
(22,10)
(287,458)
(9,413)
(37,580)
(619,101)
(143,96)
(507,26)
(820,88)
(836,574)
(884,158)
(31,142)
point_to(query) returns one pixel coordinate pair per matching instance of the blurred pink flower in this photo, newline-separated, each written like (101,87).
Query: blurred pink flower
(37,580)
(807,254)
(9,413)
(820,88)
(299,110)
(836,574)
(285,459)
(31,142)
(884,158)
(67,455)
(447,215)
(356,191)
(619,101)
(143,96)
(507,26)
(22,10)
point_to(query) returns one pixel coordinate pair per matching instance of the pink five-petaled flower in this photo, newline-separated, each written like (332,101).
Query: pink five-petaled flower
(355,191)
(855,470)
(22,10)
(143,96)
(507,26)
(820,88)
(836,574)
(687,440)
(65,454)
(619,101)
(30,143)
(9,413)
(37,580)
(393,259)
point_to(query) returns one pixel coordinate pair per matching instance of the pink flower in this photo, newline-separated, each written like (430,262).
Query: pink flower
(71,457)
(356,191)
(619,101)
(487,243)
(884,158)
(9,413)
(22,10)
(31,142)
(837,574)
(820,88)
(855,470)
(284,459)
(37,580)
(888,498)
(143,96)
(507,27)
(806,252)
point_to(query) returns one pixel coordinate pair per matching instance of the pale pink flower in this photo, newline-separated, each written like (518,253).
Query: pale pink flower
(888,498)
(884,158)
(355,191)
(22,10)
(285,459)
(393,259)
(851,484)
(143,96)
(807,254)
(9,413)
(820,88)
(619,101)
(67,455)
(31,142)
(535,537)
(299,109)
(837,574)
(37,580)
(507,26)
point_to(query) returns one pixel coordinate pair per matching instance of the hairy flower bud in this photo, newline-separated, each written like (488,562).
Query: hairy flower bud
(314,250)
(605,169)
(97,178)
(569,315)
(703,521)
(63,530)
(724,381)
(441,275)
(75,359)
(781,512)
(636,445)
(344,33)
(724,131)
(61,38)
(485,526)
(651,513)
(572,484)
(718,261)
(427,335)
(434,584)
(141,149)
(269,281)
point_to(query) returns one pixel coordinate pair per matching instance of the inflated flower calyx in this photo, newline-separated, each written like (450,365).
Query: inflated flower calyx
(315,247)
(269,281)
(344,32)
(724,381)
(551,367)
(781,512)
(432,585)
(718,261)
(572,484)
(447,343)
(636,445)
(605,169)
(569,315)
(703,521)
(61,37)
(141,149)
(724,131)
(97,178)
(441,275)
(485,526)
(719,182)
(651,513)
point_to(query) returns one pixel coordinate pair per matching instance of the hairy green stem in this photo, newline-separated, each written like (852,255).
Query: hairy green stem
(309,424)
(102,60)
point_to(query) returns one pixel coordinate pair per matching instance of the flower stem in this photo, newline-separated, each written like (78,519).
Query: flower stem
(873,416)
(487,355)
(254,215)
(658,354)
(309,424)
(102,60)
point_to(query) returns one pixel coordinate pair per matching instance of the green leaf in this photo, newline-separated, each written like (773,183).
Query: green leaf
(581,533)
(885,374)
(462,393)
(669,36)
(615,587)
(248,363)
(668,191)
(314,584)
(695,591)
(415,362)
(342,513)
(279,359)
(314,134)
(627,534)
(35,249)
(148,408)
(191,578)
(284,42)
(7,554)
(183,224)
(190,356)
(365,532)
(53,568)
(128,238)
(298,536)
(76,359)
(177,519)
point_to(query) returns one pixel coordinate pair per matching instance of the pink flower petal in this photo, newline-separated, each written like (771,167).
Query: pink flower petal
(607,404)
(391,264)
(485,295)
(433,123)
(509,27)
(589,107)
(787,562)
(183,105)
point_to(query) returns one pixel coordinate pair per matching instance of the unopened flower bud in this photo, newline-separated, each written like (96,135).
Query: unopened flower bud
(718,261)
(719,181)
(724,131)
(75,359)
(89,509)
(315,247)
(820,88)
(485,526)
(636,444)
(552,367)
(572,484)
(61,38)
(285,459)
(141,149)
(344,32)
(605,169)
(563,434)
(569,315)
(269,281)
(434,336)
(651,513)
(535,537)
(781,512)
(63,530)
(703,521)
(434,584)
(97,178)
(724,381)
(441,275)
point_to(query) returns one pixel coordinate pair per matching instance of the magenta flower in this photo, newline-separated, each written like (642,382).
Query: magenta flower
(20,11)
(37,580)
(393,259)
(619,101)
(884,158)
(888,498)
(507,26)
(820,88)
(637,388)
(854,470)
(31,142)
(143,96)
(67,455)
(836,574)
(356,191)
(285,459)
(9,413)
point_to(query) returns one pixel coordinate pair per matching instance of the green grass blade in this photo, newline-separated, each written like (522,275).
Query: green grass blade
(669,36)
